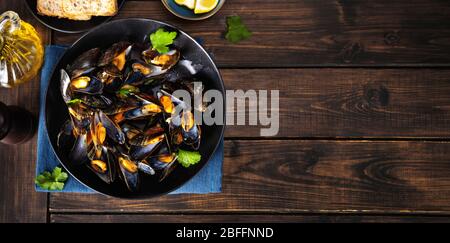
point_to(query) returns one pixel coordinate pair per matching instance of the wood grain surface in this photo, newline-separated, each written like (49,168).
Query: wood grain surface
(239,218)
(306,176)
(18,200)
(292,33)
(343,102)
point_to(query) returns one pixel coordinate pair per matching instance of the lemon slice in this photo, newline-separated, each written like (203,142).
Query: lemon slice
(188,3)
(204,6)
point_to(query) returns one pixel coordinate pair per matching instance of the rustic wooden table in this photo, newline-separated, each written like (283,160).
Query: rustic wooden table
(364,109)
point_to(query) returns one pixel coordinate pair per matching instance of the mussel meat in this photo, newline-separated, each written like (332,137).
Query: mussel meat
(87,85)
(113,130)
(130,172)
(103,165)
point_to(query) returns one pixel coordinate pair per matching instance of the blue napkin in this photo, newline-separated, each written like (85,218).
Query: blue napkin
(208,180)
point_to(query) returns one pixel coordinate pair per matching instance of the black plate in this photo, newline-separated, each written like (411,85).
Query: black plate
(67,25)
(133,30)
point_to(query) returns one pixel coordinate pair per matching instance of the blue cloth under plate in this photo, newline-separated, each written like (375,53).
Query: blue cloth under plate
(208,180)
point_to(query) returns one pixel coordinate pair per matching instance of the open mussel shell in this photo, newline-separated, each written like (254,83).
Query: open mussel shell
(96,101)
(79,153)
(66,138)
(145,144)
(116,55)
(65,86)
(164,164)
(145,168)
(103,165)
(85,63)
(190,130)
(130,131)
(144,111)
(80,116)
(113,130)
(129,172)
(87,85)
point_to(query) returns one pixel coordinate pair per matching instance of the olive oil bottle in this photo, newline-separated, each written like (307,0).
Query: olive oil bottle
(21,51)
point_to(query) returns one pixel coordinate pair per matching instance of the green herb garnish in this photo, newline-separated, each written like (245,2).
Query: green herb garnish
(52,181)
(74,102)
(127,90)
(236,30)
(188,158)
(161,39)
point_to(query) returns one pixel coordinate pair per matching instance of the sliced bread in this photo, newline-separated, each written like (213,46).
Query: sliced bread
(77,9)
(104,7)
(50,8)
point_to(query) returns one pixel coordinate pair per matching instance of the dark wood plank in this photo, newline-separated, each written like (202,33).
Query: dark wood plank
(306,176)
(19,202)
(239,218)
(294,33)
(351,102)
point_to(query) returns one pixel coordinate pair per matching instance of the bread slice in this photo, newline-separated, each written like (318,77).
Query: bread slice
(50,8)
(77,9)
(104,7)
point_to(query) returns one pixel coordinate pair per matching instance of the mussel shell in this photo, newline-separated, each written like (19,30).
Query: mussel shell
(145,168)
(130,131)
(108,56)
(108,159)
(131,177)
(80,117)
(66,138)
(163,167)
(64,86)
(143,112)
(79,153)
(113,130)
(143,146)
(96,101)
(94,87)
(85,63)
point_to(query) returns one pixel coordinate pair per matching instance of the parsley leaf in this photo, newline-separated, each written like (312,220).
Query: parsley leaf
(188,158)
(161,39)
(236,30)
(52,181)
(74,101)
(127,90)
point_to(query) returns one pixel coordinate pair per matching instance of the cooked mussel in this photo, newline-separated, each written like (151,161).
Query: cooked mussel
(66,138)
(96,101)
(65,86)
(144,144)
(103,165)
(113,130)
(79,153)
(98,135)
(190,130)
(85,63)
(80,116)
(145,168)
(130,131)
(146,110)
(87,85)
(116,55)
(164,162)
(130,172)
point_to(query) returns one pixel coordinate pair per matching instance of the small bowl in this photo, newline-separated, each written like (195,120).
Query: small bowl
(186,13)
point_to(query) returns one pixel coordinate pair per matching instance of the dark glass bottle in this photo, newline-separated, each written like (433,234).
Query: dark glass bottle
(17,125)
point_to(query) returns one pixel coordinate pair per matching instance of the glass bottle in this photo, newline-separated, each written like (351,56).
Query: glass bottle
(16,124)
(21,51)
